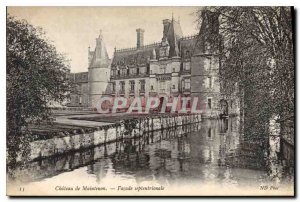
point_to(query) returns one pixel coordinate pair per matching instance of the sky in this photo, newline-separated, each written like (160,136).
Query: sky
(73,29)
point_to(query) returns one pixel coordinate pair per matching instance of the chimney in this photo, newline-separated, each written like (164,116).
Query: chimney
(139,37)
(166,23)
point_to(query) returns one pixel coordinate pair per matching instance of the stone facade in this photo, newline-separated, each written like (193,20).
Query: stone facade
(175,66)
(80,93)
(152,70)
(90,86)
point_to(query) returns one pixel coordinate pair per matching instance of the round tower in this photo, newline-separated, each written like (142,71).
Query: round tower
(99,72)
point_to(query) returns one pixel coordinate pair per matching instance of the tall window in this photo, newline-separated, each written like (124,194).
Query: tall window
(209,103)
(122,86)
(162,69)
(209,132)
(132,71)
(187,66)
(142,82)
(187,83)
(113,86)
(187,53)
(210,82)
(162,86)
(131,86)
(207,64)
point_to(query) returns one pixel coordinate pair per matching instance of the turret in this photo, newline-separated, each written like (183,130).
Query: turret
(99,72)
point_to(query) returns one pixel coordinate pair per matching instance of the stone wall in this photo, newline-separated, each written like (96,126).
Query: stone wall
(54,165)
(66,142)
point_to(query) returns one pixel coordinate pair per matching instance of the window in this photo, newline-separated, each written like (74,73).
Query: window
(173,86)
(209,103)
(207,63)
(80,100)
(113,86)
(152,87)
(162,69)
(187,66)
(132,72)
(131,86)
(209,82)
(119,72)
(187,53)
(122,86)
(142,82)
(187,84)
(162,86)
(207,46)
(77,99)
(144,70)
(209,132)
(137,71)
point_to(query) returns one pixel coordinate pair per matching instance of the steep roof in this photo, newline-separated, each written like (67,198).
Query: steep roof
(209,33)
(140,56)
(99,55)
(135,56)
(174,34)
(187,46)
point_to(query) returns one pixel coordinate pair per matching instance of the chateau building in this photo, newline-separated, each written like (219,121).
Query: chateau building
(175,66)
(90,86)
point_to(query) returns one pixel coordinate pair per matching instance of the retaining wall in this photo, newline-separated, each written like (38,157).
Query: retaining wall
(65,141)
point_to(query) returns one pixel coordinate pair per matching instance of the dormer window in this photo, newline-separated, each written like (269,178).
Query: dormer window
(187,53)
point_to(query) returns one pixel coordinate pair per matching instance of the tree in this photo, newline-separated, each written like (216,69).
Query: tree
(258,54)
(35,75)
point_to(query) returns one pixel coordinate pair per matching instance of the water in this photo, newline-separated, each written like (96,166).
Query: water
(211,153)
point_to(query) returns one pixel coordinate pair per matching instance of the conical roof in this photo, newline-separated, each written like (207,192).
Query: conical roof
(100,56)
(173,34)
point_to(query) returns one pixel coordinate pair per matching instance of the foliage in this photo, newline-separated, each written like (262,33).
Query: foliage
(129,125)
(36,76)
(257,54)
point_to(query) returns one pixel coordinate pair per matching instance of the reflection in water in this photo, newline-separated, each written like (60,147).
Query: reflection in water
(210,152)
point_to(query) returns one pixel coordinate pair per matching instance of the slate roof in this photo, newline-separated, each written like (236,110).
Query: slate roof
(99,55)
(141,56)
(187,46)
(135,56)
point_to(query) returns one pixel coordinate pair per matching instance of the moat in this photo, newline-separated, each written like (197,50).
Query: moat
(212,152)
